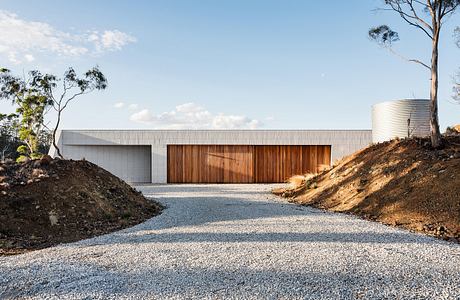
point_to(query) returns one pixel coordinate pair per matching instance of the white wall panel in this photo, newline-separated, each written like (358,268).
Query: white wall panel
(130,163)
(159,163)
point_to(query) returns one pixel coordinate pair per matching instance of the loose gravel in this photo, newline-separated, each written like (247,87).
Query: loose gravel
(239,242)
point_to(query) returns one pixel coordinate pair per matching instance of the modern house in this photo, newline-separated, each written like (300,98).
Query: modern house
(236,156)
(210,156)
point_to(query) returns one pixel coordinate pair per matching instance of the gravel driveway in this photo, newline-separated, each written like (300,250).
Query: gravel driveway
(238,241)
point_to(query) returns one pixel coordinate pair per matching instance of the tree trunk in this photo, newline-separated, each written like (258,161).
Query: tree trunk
(54,135)
(434,123)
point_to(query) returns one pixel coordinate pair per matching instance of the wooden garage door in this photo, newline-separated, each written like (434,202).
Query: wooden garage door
(278,163)
(210,164)
(242,163)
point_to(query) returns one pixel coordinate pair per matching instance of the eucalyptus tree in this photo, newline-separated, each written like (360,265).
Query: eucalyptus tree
(9,136)
(428,16)
(36,95)
(31,105)
(73,86)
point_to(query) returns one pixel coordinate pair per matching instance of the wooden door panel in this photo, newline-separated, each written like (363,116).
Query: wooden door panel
(243,163)
(210,164)
(278,163)
(238,164)
(323,159)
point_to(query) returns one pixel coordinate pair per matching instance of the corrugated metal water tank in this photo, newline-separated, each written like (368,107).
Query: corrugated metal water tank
(390,119)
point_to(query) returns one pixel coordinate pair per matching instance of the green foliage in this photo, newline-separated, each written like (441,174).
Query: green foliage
(44,142)
(22,158)
(31,109)
(23,150)
(23,153)
(32,103)
(383,35)
(93,79)
(34,97)
(9,140)
(10,144)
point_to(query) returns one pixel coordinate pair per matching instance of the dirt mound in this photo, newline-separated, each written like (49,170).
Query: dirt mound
(50,201)
(454,130)
(401,183)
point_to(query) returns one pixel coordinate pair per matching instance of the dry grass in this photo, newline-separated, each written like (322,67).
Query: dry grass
(299,181)
(295,184)
(296,181)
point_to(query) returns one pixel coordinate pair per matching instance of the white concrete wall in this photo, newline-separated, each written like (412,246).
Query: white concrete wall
(343,142)
(131,163)
(159,163)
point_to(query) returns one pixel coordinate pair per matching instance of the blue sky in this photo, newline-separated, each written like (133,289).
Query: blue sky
(225,64)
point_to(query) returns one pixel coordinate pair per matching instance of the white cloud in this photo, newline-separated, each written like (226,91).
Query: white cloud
(115,40)
(189,108)
(110,40)
(13,59)
(29,57)
(23,38)
(133,106)
(144,117)
(233,122)
(121,104)
(192,116)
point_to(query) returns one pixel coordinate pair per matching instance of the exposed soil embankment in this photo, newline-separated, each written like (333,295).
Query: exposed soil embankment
(50,201)
(401,183)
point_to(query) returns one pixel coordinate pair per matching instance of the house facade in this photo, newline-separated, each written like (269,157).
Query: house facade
(210,156)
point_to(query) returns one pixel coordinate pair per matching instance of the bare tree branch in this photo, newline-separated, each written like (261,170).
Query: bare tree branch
(396,6)
(414,12)
(73,97)
(408,59)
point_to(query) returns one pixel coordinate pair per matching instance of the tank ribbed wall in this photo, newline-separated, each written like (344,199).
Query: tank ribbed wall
(390,119)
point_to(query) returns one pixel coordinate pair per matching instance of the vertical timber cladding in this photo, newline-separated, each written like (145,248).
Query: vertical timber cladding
(210,164)
(243,163)
(278,163)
